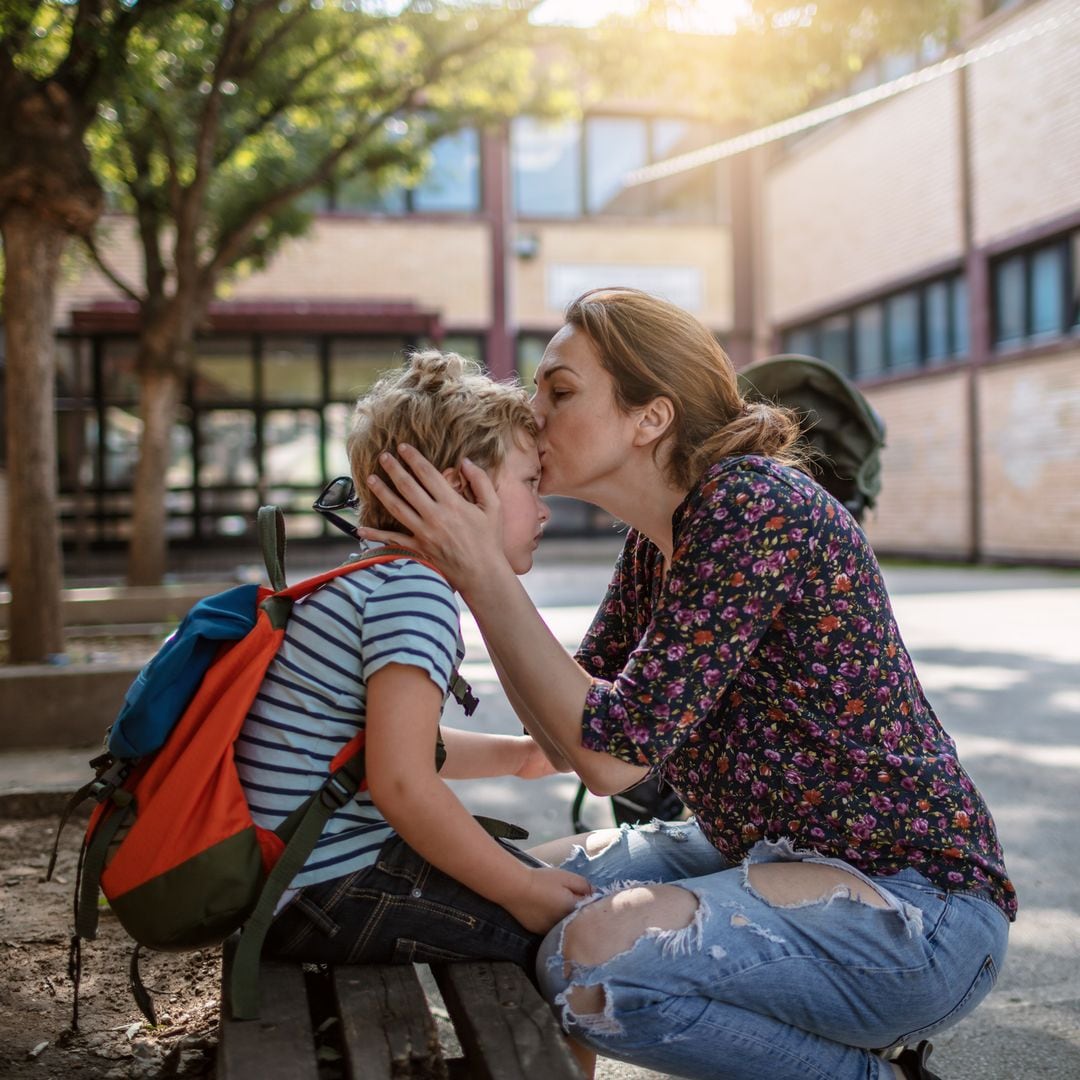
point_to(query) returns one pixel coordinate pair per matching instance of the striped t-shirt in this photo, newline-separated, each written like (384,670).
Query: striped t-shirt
(314,695)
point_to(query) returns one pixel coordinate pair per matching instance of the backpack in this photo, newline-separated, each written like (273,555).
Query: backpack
(171,842)
(836,420)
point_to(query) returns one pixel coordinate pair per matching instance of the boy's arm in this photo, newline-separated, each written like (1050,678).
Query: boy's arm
(403,709)
(473,754)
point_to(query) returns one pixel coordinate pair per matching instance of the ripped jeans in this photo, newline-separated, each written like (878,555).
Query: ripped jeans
(752,989)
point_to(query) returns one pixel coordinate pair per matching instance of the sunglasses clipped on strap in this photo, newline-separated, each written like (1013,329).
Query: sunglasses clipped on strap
(338,495)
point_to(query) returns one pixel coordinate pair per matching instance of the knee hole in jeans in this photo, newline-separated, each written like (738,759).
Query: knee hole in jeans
(614,924)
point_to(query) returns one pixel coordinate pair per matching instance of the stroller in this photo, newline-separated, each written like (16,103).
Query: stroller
(846,436)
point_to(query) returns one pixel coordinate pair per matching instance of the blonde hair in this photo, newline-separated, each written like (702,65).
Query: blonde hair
(447,408)
(651,348)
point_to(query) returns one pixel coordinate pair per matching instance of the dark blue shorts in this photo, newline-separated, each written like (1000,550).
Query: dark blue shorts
(399,910)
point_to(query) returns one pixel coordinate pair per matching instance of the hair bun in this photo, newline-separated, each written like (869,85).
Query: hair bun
(430,370)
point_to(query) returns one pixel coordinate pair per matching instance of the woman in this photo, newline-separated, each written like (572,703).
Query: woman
(840,891)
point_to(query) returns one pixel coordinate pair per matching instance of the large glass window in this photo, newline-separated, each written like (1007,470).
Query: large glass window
(869,341)
(923,325)
(836,342)
(1048,291)
(613,146)
(291,441)
(355,364)
(938,308)
(1036,292)
(563,170)
(224,370)
(119,376)
(452,183)
(227,448)
(546,163)
(902,322)
(291,369)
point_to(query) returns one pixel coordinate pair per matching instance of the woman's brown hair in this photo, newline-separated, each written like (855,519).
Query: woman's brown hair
(651,348)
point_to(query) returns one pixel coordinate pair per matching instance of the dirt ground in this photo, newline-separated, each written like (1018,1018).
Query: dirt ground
(114,1041)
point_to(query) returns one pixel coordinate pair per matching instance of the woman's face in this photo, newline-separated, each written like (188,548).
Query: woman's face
(584,436)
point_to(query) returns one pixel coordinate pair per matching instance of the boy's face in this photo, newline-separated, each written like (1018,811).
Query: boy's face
(518,484)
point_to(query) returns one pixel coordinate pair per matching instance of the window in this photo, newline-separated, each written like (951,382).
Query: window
(1035,292)
(451,184)
(567,169)
(915,327)
(546,163)
(614,145)
(530,351)
(224,370)
(869,341)
(836,342)
(902,330)
(265,419)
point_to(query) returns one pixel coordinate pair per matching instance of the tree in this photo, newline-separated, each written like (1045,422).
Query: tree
(231,112)
(57,60)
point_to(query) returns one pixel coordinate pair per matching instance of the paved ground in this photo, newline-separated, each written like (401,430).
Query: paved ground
(998,651)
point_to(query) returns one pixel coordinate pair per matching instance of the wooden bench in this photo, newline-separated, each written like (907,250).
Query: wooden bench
(375,1023)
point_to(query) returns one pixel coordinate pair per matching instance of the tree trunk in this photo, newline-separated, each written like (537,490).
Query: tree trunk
(159,393)
(32,249)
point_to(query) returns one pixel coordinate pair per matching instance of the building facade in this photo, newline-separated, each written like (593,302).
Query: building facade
(928,246)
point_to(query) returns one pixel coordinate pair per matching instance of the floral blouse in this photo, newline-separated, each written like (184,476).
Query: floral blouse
(767,682)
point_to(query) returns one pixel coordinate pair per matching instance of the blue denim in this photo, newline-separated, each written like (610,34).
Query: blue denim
(751,989)
(399,910)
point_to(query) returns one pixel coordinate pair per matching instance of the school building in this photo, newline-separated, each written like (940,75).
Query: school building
(928,246)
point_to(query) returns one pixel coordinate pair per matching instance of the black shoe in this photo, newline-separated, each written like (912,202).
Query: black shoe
(913,1062)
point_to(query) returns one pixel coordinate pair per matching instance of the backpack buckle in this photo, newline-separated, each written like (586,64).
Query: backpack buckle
(108,781)
(334,793)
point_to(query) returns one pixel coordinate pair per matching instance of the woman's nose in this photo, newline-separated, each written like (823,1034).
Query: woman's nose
(537,410)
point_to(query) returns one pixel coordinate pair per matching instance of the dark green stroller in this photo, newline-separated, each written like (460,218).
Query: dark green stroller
(847,436)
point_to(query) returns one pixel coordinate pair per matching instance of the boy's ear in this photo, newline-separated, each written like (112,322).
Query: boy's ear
(654,420)
(458,482)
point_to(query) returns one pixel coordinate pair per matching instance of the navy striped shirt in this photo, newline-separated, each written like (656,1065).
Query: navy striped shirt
(313,698)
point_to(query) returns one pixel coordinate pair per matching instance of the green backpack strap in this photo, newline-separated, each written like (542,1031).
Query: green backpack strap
(271,526)
(301,830)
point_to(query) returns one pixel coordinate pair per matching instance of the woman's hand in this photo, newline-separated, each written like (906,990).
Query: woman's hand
(546,896)
(462,537)
(534,762)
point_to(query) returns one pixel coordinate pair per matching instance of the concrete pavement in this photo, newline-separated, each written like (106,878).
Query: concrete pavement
(998,652)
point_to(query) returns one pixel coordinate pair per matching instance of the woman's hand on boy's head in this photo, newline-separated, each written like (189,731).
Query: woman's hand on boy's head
(459,535)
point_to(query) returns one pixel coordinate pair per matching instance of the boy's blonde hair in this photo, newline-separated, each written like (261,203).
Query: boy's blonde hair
(447,408)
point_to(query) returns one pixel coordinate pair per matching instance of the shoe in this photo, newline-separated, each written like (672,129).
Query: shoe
(913,1062)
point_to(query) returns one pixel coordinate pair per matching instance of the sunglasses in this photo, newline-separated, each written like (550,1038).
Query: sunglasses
(339,494)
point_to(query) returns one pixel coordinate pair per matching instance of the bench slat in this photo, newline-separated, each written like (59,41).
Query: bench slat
(506,1029)
(386,1025)
(280,1044)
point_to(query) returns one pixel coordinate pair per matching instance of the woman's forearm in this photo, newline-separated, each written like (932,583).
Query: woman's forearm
(517,703)
(547,682)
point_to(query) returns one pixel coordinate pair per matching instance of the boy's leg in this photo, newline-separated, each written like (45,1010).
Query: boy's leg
(399,910)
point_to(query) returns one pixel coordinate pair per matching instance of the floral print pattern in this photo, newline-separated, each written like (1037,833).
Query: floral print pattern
(765,679)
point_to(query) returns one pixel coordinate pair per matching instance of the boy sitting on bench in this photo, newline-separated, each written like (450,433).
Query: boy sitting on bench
(404,873)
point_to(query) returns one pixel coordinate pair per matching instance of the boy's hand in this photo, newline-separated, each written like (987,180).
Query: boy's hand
(548,895)
(534,762)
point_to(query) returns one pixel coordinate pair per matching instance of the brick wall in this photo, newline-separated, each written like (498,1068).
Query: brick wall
(924,502)
(864,201)
(1030,419)
(440,265)
(1026,127)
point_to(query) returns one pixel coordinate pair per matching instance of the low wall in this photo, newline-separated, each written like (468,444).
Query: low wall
(42,705)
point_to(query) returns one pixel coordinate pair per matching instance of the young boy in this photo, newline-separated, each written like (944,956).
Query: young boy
(404,872)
